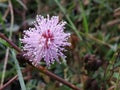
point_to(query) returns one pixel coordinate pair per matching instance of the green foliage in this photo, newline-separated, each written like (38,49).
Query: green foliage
(95,30)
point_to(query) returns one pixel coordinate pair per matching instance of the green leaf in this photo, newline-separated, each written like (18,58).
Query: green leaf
(4,42)
(20,77)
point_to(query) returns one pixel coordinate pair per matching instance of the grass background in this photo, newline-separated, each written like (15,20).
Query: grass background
(93,59)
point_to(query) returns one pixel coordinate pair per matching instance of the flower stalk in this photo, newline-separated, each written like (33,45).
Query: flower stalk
(40,68)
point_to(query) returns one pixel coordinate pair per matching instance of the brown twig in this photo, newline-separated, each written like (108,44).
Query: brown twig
(13,79)
(40,68)
(10,8)
(9,82)
(45,71)
(10,42)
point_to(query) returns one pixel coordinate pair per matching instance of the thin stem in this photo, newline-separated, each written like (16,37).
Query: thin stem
(5,65)
(14,78)
(40,68)
(9,82)
(6,13)
(117,81)
(10,35)
(12,18)
(10,42)
(45,71)
(98,41)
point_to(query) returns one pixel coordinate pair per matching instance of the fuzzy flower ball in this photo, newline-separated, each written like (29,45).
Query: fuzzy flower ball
(46,40)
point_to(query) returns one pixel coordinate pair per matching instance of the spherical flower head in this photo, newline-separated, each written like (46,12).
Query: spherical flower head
(46,40)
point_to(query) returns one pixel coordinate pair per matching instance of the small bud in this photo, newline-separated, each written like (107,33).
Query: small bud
(91,84)
(91,62)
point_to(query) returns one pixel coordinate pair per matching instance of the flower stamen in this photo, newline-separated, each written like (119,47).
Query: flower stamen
(49,38)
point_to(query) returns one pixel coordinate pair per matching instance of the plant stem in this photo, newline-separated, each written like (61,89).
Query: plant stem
(40,68)
(10,42)
(5,65)
(9,82)
(14,78)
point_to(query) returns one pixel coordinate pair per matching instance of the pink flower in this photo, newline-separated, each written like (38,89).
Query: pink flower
(46,40)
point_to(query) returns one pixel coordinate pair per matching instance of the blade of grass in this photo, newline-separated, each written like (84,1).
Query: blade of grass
(7,50)
(84,17)
(2,22)
(22,4)
(20,77)
(4,42)
(69,20)
(79,34)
